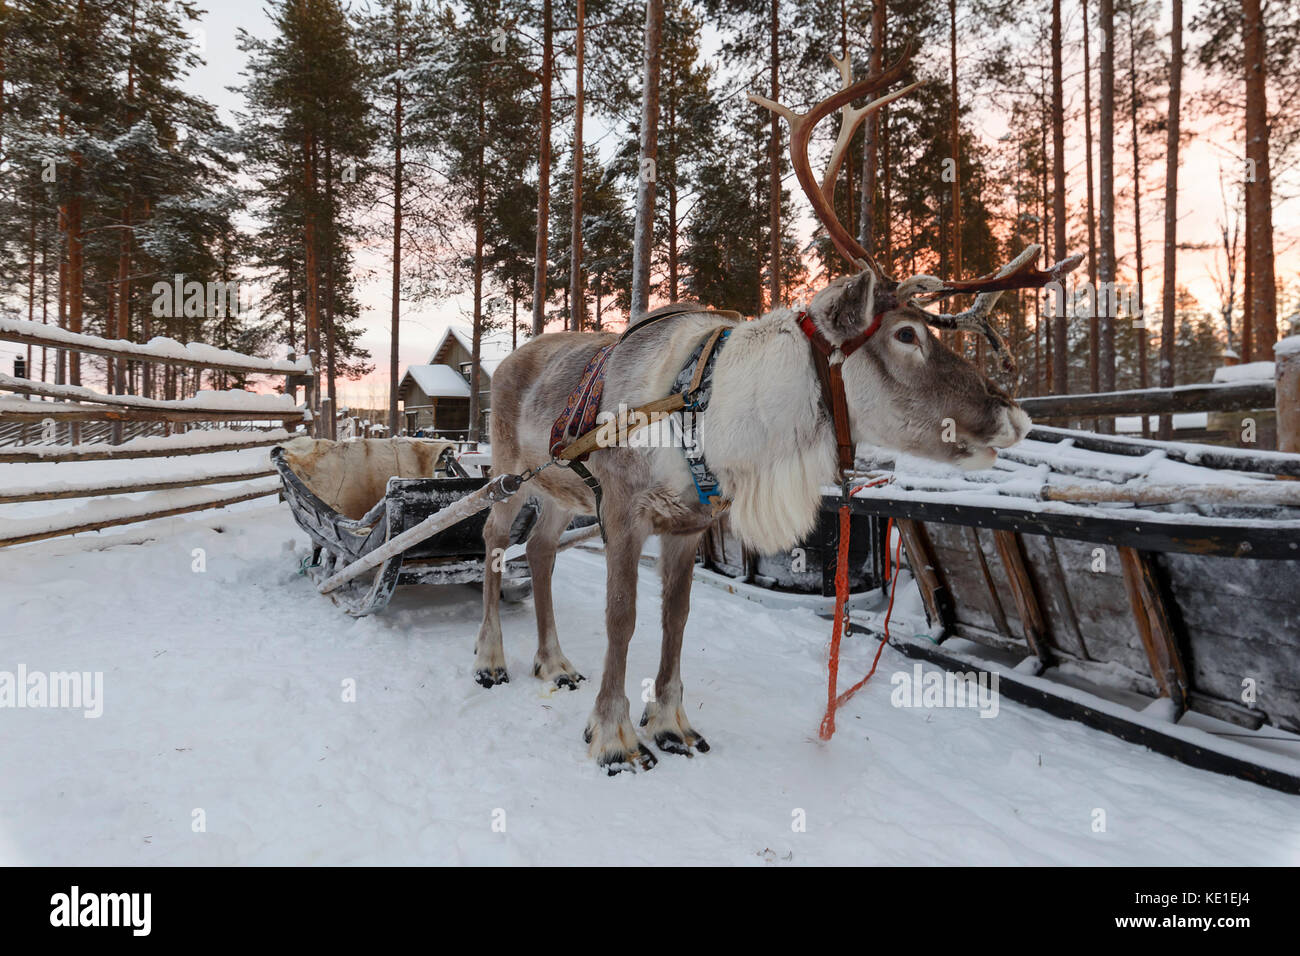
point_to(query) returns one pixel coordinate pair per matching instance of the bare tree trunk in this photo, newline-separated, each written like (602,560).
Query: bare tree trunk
(643,235)
(123,331)
(543,177)
(672,187)
(575,254)
(1060,354)
(1168,298)
(954,140)
(45,301)
(31,272)
(871,144)
(849,223)
(1106,272)
(76,272)
(480,211)
(331,367)
(774,165)
(1094,336)
(1259,186)
(311,268)
(1247,296)
(394,361)
(1044,220)
(887,196)
(1137,219)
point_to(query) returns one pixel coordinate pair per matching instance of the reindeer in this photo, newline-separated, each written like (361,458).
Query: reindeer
(771,434)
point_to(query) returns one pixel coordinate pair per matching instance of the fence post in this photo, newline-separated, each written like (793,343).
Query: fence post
(1287,372)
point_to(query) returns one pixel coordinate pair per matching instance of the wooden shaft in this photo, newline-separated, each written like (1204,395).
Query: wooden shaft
(644,415)
(498,489)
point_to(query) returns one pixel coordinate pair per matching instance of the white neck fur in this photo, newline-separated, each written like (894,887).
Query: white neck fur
(766,435)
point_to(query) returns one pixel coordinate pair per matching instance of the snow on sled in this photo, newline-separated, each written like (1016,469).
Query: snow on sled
(1149,589)
(353,497)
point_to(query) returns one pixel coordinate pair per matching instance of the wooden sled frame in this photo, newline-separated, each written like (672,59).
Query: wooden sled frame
(997,577)
(454,556)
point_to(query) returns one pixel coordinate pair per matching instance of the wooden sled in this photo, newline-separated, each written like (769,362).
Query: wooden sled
(454,555)
(1148,589)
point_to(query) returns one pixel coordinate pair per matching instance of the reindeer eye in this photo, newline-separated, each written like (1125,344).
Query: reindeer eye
(906,335)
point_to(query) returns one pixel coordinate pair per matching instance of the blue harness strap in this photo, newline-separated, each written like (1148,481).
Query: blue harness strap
(696,387)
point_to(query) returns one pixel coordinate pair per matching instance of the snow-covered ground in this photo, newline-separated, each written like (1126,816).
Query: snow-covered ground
(224,692)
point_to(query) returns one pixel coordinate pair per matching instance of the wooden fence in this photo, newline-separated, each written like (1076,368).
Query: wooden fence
(1282,394)
(119,426)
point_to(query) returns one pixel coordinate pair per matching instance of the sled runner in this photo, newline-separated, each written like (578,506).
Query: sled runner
(353,498)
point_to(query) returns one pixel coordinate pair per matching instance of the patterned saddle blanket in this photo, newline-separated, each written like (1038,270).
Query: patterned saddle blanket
(583,404)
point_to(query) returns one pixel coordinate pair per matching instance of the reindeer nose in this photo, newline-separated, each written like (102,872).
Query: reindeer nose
(1015,426)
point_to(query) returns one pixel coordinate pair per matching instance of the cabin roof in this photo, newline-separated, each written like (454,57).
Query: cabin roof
(436,381)
(491,350)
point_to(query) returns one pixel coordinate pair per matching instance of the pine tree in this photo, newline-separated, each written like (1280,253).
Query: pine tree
(307,136)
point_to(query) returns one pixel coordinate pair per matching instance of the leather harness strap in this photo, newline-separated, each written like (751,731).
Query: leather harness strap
(616,432)
(828,360)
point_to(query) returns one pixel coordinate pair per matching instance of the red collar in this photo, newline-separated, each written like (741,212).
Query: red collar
(846,348)
(831,376)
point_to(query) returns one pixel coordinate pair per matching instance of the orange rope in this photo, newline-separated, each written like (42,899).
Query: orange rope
(841,598)
(834,701)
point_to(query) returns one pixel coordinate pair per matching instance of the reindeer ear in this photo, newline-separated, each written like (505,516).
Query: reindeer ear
(853,308)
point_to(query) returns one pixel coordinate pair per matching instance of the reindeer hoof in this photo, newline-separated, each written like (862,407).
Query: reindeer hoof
(561,674)
(669,742)
(491,676)
(678,737)
(616,763)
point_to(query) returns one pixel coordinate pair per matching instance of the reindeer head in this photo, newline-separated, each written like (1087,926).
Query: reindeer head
(906,389)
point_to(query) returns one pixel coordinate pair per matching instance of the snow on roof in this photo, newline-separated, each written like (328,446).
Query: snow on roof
(1287,345)
(438,381)
(156,347)
(1250,372)
(491,350)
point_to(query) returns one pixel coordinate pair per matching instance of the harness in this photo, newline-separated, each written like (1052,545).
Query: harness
(575,435)
(695,384)
(828,360)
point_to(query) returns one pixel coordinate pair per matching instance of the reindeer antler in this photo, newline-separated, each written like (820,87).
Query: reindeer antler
(801,129)
(1020,273)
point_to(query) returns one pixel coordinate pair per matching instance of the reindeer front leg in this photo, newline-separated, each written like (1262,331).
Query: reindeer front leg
(489,654)
(610,732)
(665,717)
